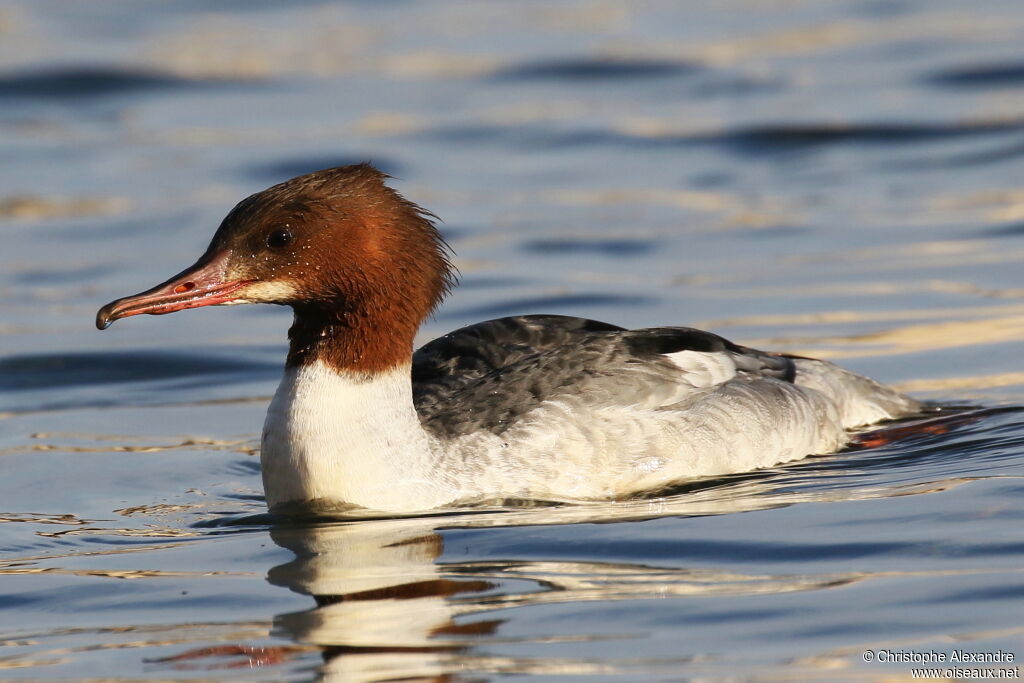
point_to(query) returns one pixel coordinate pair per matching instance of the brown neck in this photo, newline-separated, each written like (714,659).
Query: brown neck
(350,341)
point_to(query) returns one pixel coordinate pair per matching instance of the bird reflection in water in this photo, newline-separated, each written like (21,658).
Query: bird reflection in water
(384,607)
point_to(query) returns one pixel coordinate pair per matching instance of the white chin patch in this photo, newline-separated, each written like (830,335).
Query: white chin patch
(266,292)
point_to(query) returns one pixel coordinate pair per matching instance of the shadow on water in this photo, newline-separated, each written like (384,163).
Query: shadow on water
(48,371)
(612,247)
(999,153)
(1012,230)
(996,75)
(596,69)
(735,85)
(814,134)
(82,82)
(703,81)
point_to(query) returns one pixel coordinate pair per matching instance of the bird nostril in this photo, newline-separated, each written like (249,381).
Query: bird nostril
(184,287)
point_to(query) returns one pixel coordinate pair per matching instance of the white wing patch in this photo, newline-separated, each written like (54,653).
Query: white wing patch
(703,370)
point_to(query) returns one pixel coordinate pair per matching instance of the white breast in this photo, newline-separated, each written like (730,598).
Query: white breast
(334,436)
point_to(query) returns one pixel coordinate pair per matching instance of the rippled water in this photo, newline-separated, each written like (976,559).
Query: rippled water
(833,178)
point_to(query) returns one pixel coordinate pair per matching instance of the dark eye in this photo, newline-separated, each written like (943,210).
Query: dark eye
(281,237)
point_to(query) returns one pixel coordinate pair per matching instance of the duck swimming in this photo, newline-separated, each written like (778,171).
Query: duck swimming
(543,407)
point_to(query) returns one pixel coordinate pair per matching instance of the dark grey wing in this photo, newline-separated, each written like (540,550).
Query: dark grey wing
(484,376)
(469,352)
(467,379)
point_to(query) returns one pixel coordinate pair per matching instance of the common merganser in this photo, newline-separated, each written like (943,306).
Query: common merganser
(543,407)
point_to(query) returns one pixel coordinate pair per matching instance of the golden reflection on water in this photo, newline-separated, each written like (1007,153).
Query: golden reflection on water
(988,205)
(36,208)
(875,288)
(244,446)
(907,339)
(827,36)
(741,210)
(950,384)
(922,329)
(329,42)
(936,254)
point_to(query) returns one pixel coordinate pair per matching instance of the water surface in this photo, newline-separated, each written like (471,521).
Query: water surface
(839,179)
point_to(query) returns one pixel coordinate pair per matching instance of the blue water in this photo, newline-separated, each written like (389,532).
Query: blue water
(841,179)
